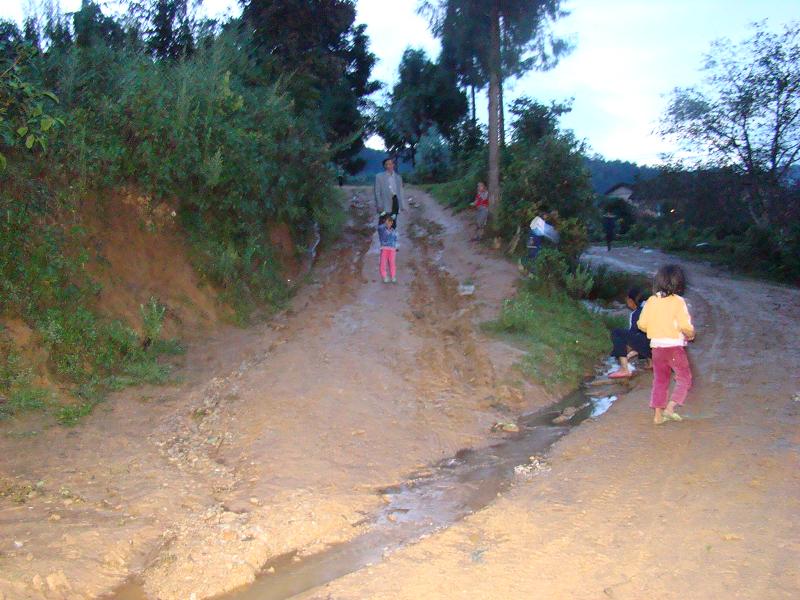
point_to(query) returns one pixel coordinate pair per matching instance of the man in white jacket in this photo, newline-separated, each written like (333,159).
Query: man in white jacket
(389,196)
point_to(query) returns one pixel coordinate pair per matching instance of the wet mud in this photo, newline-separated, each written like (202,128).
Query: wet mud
(432,499)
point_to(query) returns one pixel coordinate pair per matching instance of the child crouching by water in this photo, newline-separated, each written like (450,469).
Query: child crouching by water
(666,320)
(630,341)
(388,239)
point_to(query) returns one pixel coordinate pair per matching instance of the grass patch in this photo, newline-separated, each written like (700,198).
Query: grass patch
(17,394)
(95,355)
(457,194)
(562,338)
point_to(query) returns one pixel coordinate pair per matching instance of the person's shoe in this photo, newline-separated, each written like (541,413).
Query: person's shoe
(394,279)
(619,374)
(385,280)
(673,416)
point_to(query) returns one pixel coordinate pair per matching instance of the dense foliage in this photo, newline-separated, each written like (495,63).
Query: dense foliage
(486,42)
(325,60)
(196,115)
(425,97)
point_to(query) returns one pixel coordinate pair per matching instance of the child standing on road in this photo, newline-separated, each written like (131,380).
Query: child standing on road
(388,239)
(666,321)
(481,204)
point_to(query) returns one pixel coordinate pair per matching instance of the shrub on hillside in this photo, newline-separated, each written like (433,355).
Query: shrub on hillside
(206,134)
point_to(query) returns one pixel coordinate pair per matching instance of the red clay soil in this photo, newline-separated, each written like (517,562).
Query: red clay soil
(136,253)
(273,438)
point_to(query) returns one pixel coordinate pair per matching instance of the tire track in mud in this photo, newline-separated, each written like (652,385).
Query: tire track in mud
(445,319)
(206,439)
(438,359)
(204,486)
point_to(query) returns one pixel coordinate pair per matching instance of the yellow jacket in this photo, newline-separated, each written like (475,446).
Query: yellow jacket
(666,321)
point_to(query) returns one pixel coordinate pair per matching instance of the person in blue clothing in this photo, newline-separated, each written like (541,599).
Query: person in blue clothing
(387,235)
(626,342)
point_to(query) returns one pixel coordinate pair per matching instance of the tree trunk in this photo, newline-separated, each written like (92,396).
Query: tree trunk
(494,105)
(501,111)
(472,92)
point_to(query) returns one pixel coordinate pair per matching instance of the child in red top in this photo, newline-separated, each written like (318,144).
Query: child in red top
(481,203)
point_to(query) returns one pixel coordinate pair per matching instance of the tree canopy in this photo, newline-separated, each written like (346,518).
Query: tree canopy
(746,114)
(325,59)
(426,95)
(490,41)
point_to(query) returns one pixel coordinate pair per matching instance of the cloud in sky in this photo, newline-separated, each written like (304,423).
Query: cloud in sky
(628,54)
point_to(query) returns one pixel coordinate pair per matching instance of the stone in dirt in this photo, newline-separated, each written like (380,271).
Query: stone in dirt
(568,413)
(506,427)
(466,289)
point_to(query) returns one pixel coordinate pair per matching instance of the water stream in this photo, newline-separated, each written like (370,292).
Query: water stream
(430,500)
(437,498)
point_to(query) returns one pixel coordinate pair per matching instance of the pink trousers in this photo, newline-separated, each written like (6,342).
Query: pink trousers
(665,361)
(388,261)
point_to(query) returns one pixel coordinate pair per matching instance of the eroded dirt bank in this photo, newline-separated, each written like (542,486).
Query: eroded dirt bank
(702,509)
(276,437)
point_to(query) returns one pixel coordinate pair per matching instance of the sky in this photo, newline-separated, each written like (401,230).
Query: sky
(628,55)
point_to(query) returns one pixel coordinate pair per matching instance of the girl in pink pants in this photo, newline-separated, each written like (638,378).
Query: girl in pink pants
(388,238)
(666,321)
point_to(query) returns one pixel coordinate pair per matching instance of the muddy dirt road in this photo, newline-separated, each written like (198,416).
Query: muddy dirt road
(274,438)
(702,509)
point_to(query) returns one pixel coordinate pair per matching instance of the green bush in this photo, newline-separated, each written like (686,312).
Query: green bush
(563,340)
(580,282)
(460,193)
(549,271)
(152,319)
(609,285)
(206,133)
(545,176)
(16,389)
(765,252)
(433,157)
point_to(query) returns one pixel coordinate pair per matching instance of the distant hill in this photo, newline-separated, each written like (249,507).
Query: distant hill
(607,173)
(373,159)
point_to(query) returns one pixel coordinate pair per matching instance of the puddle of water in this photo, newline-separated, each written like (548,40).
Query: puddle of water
(433,500)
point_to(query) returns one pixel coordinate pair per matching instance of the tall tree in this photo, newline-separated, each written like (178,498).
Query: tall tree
(425,95)
(91,26)
(746,114)
(325,59)
(501,38)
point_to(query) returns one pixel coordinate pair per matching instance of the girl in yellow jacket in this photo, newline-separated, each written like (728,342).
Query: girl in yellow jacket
(666,321)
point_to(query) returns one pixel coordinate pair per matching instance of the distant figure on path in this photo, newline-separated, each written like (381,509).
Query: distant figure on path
(387,235)
(609,224)
(666,321)
(389,196)
(625,342)
(481,204)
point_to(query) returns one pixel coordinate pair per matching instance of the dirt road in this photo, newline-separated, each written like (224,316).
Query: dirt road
(273,438)
(706,508)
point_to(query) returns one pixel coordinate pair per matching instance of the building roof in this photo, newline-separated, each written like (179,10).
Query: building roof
(617,186)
